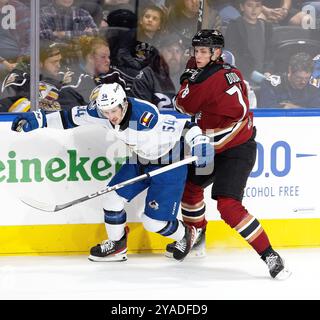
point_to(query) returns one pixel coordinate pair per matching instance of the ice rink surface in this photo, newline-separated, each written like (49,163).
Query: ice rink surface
(222,275)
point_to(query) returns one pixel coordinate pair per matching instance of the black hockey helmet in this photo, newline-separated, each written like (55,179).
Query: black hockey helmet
(208,38)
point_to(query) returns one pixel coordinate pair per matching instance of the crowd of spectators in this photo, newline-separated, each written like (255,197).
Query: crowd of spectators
(144,45)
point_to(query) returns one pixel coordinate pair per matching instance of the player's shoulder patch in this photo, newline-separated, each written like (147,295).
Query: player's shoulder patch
(93,111)
(146,119)
(15,79)
(232,78)
(144,113)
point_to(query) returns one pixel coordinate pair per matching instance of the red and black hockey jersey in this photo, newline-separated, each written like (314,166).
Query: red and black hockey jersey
(220,102)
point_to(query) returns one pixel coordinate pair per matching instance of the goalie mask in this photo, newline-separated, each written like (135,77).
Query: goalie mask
(109,96)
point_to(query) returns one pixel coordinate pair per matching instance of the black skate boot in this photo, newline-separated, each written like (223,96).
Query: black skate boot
(183,247)
(110,250)
(275,264)
(199,248)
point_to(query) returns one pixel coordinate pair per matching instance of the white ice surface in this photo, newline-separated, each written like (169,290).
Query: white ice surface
(223,274)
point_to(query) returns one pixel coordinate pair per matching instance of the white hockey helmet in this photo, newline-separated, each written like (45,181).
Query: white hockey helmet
(110,96)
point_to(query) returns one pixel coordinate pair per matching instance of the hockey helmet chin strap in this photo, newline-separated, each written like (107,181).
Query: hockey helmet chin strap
(124,107)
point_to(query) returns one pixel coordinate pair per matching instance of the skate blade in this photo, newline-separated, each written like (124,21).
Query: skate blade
(192,254)
(283,274)
(115,258)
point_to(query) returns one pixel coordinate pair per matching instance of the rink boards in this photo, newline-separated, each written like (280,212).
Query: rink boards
(57,166)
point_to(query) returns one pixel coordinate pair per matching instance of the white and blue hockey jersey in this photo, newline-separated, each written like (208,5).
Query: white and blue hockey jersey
(144,130)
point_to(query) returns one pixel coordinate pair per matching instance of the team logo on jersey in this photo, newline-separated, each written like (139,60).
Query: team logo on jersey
(14,79)
(146,118)
(154,205)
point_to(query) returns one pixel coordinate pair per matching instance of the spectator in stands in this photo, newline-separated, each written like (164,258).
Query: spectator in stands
(93,70)
(94,7)
(151,24)
(183,18)
(137,46)
(119,25)
(159,81)
(64,21)
(281,12)
(14,29)
(249,39)
(16,86)
(294,90)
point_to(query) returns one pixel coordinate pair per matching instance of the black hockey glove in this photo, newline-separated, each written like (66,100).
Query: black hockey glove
(187,75)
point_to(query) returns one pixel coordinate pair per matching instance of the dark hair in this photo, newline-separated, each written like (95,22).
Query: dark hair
(163,18)
(123,18)
(301,61)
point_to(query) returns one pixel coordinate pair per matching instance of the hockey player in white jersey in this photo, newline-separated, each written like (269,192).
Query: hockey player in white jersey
(155,139)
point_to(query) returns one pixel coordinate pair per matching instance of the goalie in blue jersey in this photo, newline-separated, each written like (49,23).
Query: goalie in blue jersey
(154,139)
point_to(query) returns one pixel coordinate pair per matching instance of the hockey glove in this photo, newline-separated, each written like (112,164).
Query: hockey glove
(187,74)
(29,121)
(203,150)
(199,145)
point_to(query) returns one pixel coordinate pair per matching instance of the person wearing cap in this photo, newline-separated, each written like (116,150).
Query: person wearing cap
(17,84)
(215,93)
(159,81)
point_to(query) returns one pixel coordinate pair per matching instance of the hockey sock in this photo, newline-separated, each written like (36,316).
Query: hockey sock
(115,222)
(236,216)
(194,216)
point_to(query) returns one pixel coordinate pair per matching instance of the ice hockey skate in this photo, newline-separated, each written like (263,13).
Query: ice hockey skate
(276,266)
(183,247)
(110,250)
(198,250)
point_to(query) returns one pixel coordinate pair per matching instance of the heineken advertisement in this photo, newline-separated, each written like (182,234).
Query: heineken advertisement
(71,168)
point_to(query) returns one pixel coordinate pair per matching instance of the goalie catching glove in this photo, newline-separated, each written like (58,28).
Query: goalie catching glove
(29,121)
(200,147)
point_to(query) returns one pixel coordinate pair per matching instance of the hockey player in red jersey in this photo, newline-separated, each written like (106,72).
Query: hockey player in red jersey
(216,94)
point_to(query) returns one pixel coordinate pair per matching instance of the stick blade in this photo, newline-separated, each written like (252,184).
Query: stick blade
(38,205)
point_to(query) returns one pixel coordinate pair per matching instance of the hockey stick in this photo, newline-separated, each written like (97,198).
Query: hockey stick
(57,207)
